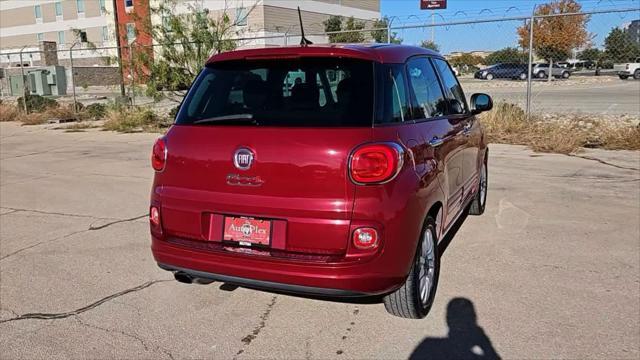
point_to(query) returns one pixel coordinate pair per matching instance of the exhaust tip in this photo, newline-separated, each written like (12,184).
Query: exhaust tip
(183,277)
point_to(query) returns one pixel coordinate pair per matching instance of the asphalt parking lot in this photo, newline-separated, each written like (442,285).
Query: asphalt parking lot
(551,270)
(586,95)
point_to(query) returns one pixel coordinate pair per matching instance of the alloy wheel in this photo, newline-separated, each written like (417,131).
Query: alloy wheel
(427,264)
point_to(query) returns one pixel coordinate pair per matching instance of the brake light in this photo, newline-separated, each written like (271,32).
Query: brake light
(154,216)
(627,66)
(376,163)
(159,155)
(365,238)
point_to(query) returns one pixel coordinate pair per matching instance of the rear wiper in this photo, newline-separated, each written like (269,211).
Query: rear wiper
(234,117)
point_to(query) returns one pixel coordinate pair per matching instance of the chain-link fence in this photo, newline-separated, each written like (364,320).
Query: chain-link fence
(574,63)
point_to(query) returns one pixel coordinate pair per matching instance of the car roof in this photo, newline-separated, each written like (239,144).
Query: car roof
(383,53)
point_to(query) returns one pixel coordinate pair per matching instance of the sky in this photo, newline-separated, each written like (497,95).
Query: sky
(497,35)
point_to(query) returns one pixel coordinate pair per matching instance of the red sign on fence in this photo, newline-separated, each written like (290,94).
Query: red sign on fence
(433,4)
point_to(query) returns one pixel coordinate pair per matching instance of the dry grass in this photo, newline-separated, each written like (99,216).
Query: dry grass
(33,118)
(9,112)
(507,123)
(133,120)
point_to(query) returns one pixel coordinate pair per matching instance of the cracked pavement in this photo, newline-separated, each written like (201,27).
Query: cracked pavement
(552,269)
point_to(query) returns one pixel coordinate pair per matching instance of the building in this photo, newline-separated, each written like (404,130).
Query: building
(481,53)
(632,29)
(26,25)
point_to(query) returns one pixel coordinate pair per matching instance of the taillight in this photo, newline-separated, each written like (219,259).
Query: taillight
(154,216)
(627,67)
(159,155)
(376,163)
(365,238)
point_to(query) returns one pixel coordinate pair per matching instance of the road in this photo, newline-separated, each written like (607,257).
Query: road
(612,97)
(551,270)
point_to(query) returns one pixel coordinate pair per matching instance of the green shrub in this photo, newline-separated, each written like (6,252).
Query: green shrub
(96,111)
(37,103)
(133,120)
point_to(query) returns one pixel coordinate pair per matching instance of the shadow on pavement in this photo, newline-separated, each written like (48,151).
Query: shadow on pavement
(466,340)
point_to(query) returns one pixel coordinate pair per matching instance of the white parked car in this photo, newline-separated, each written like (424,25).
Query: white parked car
(628,69)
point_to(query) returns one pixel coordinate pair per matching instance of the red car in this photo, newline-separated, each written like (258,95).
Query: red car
(325,170)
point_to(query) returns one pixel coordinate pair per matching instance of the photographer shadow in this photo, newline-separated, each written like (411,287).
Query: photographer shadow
(466,340)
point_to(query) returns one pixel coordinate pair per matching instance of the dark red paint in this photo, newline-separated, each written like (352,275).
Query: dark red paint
(307,193)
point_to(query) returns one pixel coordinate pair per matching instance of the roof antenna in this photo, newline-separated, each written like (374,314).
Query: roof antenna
(303,40)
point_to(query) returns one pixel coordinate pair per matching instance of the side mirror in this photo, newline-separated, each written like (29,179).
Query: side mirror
(480,103)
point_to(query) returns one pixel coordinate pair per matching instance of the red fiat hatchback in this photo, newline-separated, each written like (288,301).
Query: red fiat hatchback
(325,170)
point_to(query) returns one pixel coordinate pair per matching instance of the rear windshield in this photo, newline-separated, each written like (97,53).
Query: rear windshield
(312,92)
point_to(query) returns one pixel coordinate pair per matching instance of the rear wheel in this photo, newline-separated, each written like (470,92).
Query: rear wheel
(489,77)
(523,76)
(414,299)
(636,74)
(479,201)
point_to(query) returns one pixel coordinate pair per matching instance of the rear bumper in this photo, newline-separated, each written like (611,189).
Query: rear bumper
(266,285)
(624,72)
(350,279)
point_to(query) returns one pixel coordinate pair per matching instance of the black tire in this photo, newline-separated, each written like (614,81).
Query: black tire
(489,77)
(636,74)
(565,75)
(623,77)
(480,200)
(406,302)
(542,75)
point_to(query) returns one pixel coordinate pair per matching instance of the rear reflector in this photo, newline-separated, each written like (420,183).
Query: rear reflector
(159,155)
(365,238)
(376,163)
(154,216)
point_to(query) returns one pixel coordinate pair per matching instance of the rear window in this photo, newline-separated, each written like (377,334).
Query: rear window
(306,92)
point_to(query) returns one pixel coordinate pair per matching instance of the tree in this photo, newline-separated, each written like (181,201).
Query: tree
(590,54)
(183,42)
(555,37)
(466,60)
(506,55)
(380,36)
(334,23)
(428,44)
(619,47)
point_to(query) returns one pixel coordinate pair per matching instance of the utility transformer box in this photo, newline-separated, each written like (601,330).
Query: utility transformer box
(50,80)
(44,81)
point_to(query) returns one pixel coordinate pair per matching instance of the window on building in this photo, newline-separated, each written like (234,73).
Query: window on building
(128,3)
(131,32)
(105,33)
(61,37)
(58,8)
(38,11)
(103,9)
(241,16)
(40,36)
(80,6)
